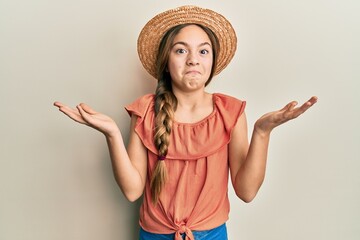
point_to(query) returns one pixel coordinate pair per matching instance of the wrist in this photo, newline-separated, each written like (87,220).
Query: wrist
(261,130)
(113,134)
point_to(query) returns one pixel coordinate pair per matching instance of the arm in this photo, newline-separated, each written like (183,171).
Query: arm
(129,165)
(248,161)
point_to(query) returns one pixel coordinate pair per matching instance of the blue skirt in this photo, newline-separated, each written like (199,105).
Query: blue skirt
(218,233)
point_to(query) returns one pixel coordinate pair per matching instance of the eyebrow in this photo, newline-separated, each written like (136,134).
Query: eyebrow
(186,45)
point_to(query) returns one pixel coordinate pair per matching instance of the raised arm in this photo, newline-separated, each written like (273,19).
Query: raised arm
(129,165)
(248,161)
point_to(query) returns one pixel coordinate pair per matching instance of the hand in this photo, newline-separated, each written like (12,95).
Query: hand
(269,121)
(85,115)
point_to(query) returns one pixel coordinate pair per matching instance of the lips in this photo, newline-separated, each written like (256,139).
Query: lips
(192,72)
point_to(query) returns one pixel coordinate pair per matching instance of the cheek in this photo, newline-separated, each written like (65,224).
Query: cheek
(172,69)
(208,63)
(173,65)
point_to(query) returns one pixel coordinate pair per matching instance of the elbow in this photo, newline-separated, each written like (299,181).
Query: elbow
(247,192)
(246,197)
(132,197)
(132,194)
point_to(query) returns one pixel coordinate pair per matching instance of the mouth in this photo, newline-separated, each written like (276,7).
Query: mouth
(192,72)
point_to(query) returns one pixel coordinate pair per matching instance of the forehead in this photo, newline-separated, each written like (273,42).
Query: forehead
(192,33)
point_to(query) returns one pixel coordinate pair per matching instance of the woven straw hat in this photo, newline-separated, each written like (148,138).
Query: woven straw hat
(152,33)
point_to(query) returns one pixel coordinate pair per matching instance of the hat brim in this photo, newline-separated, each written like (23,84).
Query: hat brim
(152,33)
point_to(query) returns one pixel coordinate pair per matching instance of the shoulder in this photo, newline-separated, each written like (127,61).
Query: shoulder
(145,99)
(141,105)
(227,101)
(229,109)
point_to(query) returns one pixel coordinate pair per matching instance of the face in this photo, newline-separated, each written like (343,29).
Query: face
(190,60)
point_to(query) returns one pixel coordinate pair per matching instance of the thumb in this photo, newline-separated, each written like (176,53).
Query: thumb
(289,106)
(87,108)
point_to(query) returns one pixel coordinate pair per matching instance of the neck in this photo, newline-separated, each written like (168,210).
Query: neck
(190,99)
(193,107)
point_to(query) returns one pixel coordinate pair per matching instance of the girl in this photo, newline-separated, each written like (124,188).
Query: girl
(184,140)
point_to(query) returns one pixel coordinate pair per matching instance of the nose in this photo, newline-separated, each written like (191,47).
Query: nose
(192,59)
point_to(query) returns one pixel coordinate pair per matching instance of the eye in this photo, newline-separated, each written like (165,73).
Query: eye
(180,51)
(204,51)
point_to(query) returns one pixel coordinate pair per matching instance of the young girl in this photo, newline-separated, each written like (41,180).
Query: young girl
(184,140)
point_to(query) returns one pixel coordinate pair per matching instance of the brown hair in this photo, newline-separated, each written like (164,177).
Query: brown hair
(166,103)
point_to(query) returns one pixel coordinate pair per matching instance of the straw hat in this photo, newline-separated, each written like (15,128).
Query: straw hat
(152,33)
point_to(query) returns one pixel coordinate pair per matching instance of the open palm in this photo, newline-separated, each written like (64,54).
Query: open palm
(86,115)
(273,119)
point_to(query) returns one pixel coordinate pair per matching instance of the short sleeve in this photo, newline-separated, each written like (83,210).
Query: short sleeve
(140,106)
(143,108)
(229,109)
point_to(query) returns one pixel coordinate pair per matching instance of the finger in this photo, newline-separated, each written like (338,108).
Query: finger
(309,103)
(72,113)
(303,108)
(87,108)
(58,104)
(292,105)
(289,106)
(313,100)
(86,116)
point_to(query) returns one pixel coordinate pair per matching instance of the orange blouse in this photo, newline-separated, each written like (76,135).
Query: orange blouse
(195,196)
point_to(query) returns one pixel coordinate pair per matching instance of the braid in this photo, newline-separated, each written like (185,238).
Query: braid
(165,103)
(164,112)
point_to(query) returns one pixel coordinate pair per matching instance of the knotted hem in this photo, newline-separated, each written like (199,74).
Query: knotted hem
(183,229)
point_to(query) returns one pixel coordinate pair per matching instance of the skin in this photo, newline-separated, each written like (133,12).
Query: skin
(189,65)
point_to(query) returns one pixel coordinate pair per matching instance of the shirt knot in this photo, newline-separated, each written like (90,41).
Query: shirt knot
(183,229)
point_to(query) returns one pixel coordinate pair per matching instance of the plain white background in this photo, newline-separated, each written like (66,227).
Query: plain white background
(55,176)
